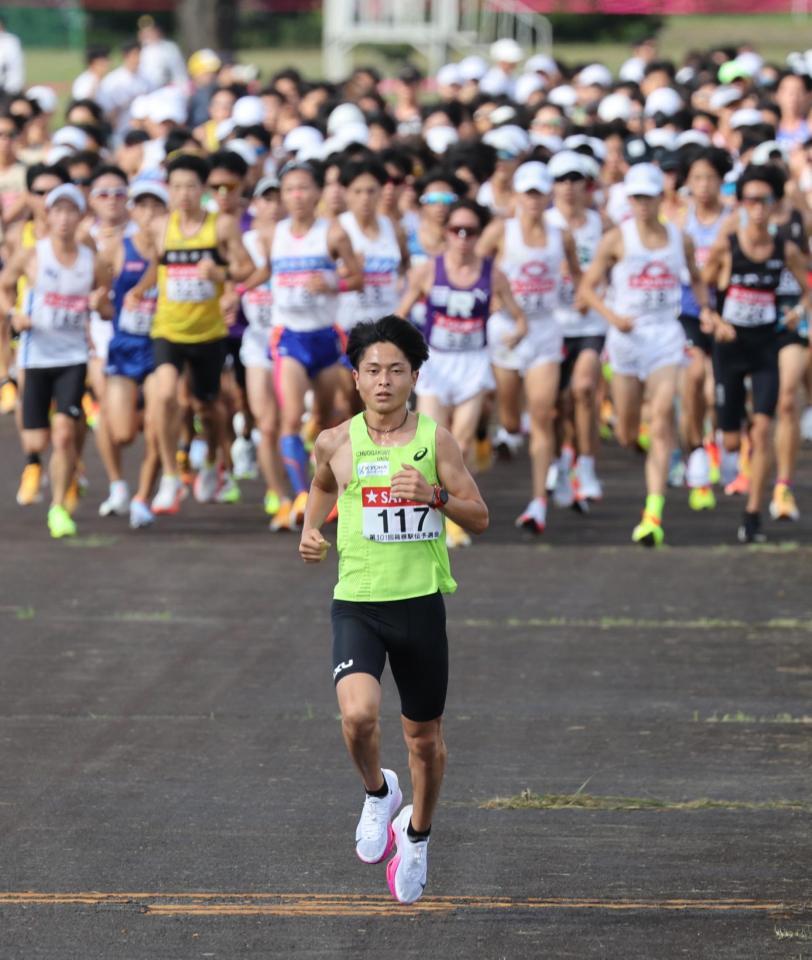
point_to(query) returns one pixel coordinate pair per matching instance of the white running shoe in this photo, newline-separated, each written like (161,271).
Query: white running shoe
(507,444)
(407,871)
(198,451)
(205,486)
(140,514)
(245,459)
(698,471)
(534,517)
(118,502)
(168,497)
(589,487)
(552,476)
(563,494)
(806,424)
(374,838)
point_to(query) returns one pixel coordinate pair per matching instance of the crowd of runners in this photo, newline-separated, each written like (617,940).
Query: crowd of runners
(187,246)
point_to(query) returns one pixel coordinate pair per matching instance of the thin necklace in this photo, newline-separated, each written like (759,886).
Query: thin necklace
(388,430)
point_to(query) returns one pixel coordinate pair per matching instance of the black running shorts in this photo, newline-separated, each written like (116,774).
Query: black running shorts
(412,633)
(205,362)
(63,386)
(753,353)
(573,348)
(695,335)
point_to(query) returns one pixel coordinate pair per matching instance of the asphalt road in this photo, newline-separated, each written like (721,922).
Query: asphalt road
(173,782)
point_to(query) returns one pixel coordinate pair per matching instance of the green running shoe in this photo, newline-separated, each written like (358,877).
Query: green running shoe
(272,503)
(649,532)
(701,498)
(60,522)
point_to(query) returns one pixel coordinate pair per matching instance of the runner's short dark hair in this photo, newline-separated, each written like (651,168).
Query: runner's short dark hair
(38,169)
(188,161)
(108,168)
(767,173)
(357,168)
(392,329)
(226,159)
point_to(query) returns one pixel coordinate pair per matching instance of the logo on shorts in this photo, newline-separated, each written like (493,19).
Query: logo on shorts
(421,453)
(74,411)
(342,666)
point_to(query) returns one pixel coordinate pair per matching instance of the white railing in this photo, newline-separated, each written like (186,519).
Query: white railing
(435,28)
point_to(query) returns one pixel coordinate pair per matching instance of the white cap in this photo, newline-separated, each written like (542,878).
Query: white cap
(473,68)
(692,136)
(243,149)
(750,62)
(526,86)
(344,113)
(224,129)
(563,96)
(139,108)
(632,71)
(149,188)
(660,137)
(597,146)
(450,76)
(509,138)
(567,161)
(764,152)
(749,117)
(541,63)
(163,110)
(595,75)
(300,137)
(494,83)
(66,191)
(548,140)
(723,97)
(266,184)
(616,106)
(439,139)
(663,100)
(352,133)
(502,115)
(685,75)
(44,96)
(71,137)
(57,155)
(248,112)
(644,179)
(532,176)
(591,166)
(506,51)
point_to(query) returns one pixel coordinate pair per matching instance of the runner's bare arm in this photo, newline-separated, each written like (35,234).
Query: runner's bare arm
(262,273)
(716,273)
(24,264)
(322,497)
(239,264)
(504,296)
(403,244)
(609,251)
(99,299)
(796,263)
(707,316)
(490,243)
(340,247)
(573,264)
(465,504)
(419,282)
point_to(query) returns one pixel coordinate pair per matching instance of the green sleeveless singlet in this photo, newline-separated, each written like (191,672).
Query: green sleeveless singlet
(390,549)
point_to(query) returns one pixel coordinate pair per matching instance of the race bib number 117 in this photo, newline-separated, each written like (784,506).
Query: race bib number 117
(388,519)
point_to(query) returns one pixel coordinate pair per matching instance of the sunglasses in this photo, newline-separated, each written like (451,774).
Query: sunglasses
(39,193)
(463,232)
(570,178)
(428,199)
(762,199)
(82,181)
(224,188)
(396,181)
(111,193)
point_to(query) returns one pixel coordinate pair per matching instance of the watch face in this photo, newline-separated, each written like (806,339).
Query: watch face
(443,495)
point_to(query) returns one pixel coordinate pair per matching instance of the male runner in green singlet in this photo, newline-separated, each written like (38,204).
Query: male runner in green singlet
(396,476)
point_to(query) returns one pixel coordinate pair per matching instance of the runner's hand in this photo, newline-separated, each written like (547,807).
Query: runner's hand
(317,283)
(793,317)
(313,547)
(132,299)
(21,321)
(97,297)
(724,332)
(512,340)
(708,318)
(624,324)
(410,484)
(229,302)
(207,269)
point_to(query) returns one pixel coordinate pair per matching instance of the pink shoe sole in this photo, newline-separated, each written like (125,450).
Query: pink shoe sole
(390,843)
(391,870)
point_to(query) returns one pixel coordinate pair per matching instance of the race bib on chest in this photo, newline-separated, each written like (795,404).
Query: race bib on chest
(258,308)
(749,308)
(451,333)
(62,312)
(139,321)
(655,288)
(183,285)
(388,519)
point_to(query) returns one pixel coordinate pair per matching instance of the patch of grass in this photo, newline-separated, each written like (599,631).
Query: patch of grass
(24,613)
(741,717)
(527,800)
(803,934)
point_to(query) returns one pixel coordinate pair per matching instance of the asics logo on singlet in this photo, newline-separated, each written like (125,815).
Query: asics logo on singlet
(342,666)
(421,453)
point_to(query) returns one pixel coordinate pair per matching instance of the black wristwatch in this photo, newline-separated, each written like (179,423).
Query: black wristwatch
(440,497)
